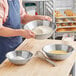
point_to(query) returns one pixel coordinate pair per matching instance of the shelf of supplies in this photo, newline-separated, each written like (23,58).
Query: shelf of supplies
(66,27)
(66,17)
(67,32)
(67,22)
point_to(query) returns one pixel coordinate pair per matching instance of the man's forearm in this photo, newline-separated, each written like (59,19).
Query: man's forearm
(8,32)
(27,18)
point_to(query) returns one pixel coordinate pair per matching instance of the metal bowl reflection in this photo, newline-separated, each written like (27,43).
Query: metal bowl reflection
(19,57)
(62,47)
(33,24)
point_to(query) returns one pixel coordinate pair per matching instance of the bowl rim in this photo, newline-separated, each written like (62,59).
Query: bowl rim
(53,30)
(57,44)
(19,50)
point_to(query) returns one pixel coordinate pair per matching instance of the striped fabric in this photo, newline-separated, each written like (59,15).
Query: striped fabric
(4,10)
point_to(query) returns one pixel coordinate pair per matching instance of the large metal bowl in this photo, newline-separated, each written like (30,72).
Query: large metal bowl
(19,57)
(33,24)
(52,47)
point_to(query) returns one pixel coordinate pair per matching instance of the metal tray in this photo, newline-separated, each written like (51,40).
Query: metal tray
(67,23)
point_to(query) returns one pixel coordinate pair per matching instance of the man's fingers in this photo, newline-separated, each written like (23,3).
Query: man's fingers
(48,18)
(32,34)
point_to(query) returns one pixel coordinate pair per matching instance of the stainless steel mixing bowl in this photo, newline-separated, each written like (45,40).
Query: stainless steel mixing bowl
(19,57)
(33,24)
(52,47)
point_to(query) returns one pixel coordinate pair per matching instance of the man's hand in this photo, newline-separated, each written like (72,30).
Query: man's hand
(27,34)
(40,17)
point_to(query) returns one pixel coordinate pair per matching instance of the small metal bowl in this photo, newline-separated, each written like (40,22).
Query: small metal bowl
(19,57)
(62,47)
(33,24)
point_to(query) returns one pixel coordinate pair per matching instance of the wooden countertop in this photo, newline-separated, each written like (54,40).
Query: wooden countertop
(37,66)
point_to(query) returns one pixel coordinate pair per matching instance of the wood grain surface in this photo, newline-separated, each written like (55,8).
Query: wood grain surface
(37,66)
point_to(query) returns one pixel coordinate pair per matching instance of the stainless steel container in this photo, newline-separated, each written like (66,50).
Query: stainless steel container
(62,47)
(19,57)
(37,23)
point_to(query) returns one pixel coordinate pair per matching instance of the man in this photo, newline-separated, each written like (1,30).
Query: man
(12,14)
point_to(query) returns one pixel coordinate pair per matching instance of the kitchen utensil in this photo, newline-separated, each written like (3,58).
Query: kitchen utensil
(67,38)
(19,56)
(29,26)
(41,55)
(52,47)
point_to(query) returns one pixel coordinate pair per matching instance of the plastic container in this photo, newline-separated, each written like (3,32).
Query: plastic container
(31,10)
(68,37)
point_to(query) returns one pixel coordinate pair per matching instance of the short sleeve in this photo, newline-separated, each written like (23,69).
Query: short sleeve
(1,13)
(22,10)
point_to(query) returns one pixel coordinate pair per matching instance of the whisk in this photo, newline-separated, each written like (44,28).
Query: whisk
(41,55)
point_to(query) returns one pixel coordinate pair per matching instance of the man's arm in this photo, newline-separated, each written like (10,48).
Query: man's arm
(9,32)
(27,18)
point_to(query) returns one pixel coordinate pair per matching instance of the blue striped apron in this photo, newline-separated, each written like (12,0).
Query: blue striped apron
(13,21)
